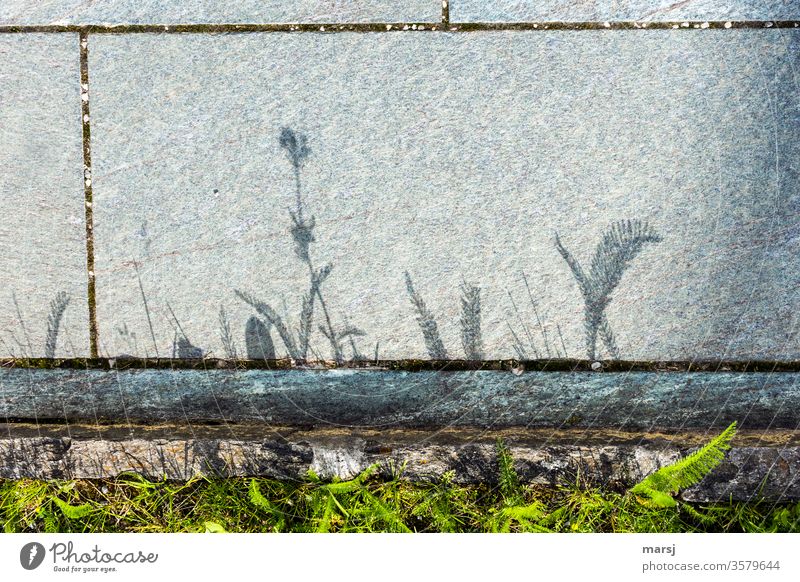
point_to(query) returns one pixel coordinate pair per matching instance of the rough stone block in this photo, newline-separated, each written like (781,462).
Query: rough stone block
(755,469)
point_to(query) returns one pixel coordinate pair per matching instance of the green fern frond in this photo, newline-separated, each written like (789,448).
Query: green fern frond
(526,517)
(353,485)
(440,503)
(257,498)
(50,523)
(704,518)
(390,516)
(532,511)
(653,497)
(73,511)
(659,487)
(324,525)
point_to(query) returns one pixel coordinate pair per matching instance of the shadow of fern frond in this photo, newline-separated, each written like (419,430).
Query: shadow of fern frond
(621,243)
(427,323)
(470,322)
(516,343)
(306,319)
(129,338)
(471,339)
(26,348)
(57,308)
(350,333)
(146,307)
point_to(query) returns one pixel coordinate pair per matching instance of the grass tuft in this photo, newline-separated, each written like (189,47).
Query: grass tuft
(130,504)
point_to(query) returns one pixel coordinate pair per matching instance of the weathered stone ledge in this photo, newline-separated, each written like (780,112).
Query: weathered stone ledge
(635,401)
(759,465)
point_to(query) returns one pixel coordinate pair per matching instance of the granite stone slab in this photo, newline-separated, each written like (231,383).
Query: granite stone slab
(121,12)
(621,10)
(43,276)
(636,401)
(610,194)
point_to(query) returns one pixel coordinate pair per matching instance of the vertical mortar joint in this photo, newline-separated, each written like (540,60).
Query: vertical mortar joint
(83,37)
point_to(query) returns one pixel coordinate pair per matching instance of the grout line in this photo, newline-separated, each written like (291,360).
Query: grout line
(87,189)
(399,27)
(408,365)
(445,12)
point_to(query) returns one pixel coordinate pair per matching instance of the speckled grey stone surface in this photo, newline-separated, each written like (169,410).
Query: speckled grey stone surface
(216,11)
(616,10)
(455,157)
(42,230)
(636,401)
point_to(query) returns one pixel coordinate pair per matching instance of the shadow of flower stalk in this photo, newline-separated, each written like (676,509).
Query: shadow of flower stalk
(295,144)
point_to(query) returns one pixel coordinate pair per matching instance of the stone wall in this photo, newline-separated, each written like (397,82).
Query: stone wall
(408,215)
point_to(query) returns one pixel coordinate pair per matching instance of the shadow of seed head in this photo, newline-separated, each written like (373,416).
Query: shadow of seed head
(296,146)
